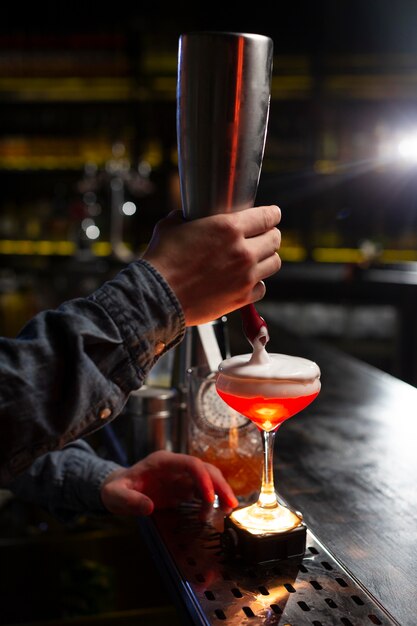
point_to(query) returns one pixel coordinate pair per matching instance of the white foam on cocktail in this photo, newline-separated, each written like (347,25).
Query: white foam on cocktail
(268,375)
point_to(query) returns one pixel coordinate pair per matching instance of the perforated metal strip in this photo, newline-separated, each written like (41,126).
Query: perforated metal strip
(315,590)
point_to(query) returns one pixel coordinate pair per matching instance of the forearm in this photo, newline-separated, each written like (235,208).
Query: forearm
(71,369)
(66,482)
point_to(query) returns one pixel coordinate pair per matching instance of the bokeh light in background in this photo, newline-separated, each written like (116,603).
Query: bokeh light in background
(129,208)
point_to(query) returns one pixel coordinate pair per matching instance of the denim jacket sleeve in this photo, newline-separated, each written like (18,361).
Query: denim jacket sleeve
(71,369)
(65,482)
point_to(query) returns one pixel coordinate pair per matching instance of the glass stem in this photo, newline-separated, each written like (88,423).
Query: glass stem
(267,497)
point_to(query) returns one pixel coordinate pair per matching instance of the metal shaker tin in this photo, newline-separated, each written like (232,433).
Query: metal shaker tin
(151,413)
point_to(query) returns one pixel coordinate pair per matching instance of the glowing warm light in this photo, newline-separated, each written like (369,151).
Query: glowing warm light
(92,231)
(407,148)
(260,521)
(102,248)
(23,247)
(129,208)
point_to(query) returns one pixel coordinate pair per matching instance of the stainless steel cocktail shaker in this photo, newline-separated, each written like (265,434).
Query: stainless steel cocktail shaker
(223,99)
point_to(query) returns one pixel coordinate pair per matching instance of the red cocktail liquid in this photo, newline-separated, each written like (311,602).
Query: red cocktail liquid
(267,413)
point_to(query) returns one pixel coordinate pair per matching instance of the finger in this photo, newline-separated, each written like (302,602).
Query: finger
(258,292)
(135,503)
(268,267)
(257,220)
(196,469)
(263,246)
(122,498)
(221,486)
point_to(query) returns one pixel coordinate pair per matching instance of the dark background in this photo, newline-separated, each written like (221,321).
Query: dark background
(87,88)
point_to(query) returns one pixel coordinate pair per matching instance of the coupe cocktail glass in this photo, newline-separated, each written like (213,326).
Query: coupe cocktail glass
(268,393)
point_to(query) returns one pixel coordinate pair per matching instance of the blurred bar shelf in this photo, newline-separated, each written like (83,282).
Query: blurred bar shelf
(49,248)
(342,258)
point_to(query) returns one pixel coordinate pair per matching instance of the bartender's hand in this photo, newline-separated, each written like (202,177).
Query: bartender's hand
(216,264)
(162,480)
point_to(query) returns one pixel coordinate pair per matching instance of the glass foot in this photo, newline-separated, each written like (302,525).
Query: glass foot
(261,520)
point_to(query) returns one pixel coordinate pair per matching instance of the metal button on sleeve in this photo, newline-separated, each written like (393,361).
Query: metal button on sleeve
(105,413)
(160,346)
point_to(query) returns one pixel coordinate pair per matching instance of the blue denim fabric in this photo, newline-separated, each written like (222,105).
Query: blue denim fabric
(65,482)
(71,369)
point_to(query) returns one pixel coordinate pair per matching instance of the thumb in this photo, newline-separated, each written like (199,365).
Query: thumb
(258,292)
(130,502)
(138,504)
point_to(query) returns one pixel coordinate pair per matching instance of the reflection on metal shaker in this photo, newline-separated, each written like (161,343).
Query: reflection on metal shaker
(223,99)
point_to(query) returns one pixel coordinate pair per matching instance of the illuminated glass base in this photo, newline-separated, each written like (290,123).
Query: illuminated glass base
(260,520)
